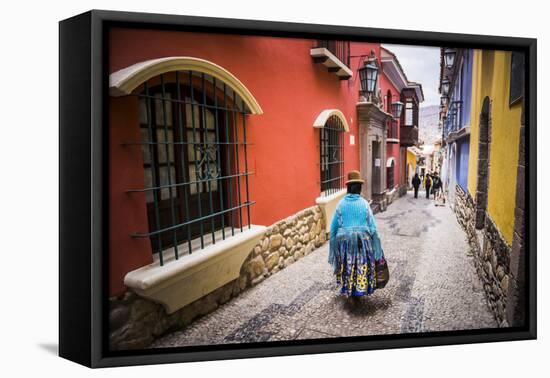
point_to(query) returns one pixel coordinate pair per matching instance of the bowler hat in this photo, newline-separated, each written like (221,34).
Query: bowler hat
(354,176)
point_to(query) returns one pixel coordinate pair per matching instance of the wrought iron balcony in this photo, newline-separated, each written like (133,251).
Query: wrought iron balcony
(453,123)
(454,127)
(334,55)
(445,131)
(455,112)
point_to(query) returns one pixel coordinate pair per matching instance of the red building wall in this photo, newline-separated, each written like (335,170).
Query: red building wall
(291,89)
(127,213)
(392,149)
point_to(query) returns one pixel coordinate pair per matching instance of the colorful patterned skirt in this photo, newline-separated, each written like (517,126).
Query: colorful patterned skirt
(353,259)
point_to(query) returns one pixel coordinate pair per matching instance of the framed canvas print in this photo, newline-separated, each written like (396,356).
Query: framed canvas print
(234,188)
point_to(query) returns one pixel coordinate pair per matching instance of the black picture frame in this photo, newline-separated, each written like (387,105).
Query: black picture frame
(517,78)
(83,112)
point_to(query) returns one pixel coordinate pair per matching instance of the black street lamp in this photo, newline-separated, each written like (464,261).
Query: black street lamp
(449,55)
(397,108)
(445,85)
(368,74)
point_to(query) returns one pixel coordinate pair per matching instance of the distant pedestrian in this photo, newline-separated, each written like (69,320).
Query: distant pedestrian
(436,185)
(355,251)
(428,184)
(416,184)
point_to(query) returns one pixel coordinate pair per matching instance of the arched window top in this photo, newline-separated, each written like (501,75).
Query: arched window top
(125,81)
(390,162)
(324,116)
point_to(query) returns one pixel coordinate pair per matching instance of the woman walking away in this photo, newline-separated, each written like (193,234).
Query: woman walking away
(355,251)
(416,184)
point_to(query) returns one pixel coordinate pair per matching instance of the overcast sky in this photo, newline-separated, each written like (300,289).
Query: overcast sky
(421,64)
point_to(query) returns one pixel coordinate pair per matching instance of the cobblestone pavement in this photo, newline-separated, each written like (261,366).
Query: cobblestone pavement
(433,287)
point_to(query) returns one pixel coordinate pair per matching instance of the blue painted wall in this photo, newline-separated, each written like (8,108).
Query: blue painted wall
(466,86)
(463,154)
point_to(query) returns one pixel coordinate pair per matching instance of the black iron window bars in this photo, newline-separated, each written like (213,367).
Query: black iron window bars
(332,156)
(455,111)
(453,121)
(193,139)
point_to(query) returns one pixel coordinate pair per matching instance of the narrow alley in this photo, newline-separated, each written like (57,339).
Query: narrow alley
(224,179)
(433,287)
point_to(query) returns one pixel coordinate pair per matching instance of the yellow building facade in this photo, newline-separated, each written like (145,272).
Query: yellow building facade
(491,79)
(411,165)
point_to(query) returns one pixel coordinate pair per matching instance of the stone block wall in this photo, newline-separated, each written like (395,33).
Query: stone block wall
(464,208)
(284,243)
(135,322)
(491,254)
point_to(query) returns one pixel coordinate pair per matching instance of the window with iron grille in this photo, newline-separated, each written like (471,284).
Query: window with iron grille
(193,138)
(332,156)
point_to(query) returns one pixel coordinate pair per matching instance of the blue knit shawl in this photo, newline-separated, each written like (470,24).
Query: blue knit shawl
(353,218)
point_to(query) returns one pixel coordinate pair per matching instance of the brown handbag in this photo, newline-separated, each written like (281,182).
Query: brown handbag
(382,273)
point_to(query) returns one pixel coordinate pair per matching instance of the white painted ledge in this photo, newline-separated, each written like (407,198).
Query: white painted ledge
(180,282)
(331,61)
(460,133)
(124,81)
(328,205)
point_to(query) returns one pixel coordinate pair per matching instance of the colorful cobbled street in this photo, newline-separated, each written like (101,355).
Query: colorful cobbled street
(433,287)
